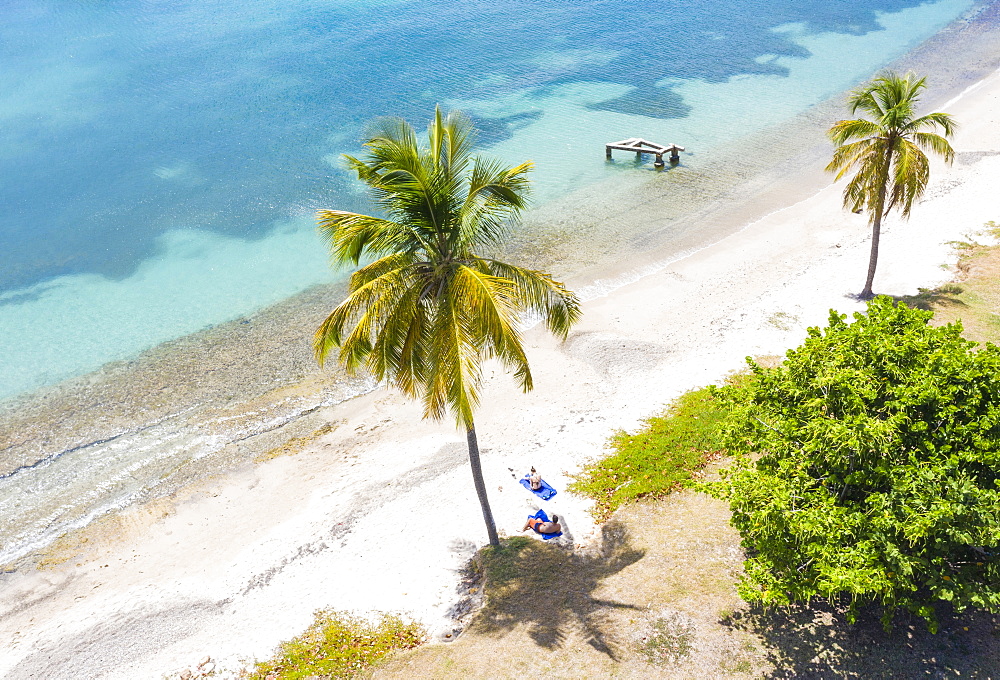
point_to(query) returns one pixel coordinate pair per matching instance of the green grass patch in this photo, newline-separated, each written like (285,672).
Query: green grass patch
(975,298)
(670,640)
(553,593)
(338,645)
(516,568)
(658,459)
(500,563)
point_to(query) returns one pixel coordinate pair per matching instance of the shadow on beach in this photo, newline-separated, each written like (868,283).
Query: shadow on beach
(551,590)
(818,642)
(945,296)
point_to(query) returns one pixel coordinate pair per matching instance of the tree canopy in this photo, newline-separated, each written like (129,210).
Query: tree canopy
(867,467)
(886,151)
(433,306)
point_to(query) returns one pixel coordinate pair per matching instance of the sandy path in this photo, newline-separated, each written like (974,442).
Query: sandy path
(380,513)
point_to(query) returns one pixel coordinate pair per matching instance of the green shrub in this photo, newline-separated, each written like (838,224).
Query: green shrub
(660,457)
(338,645)
(868,468)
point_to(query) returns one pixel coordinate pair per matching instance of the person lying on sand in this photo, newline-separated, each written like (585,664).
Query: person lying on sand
(535,480)
(541,527)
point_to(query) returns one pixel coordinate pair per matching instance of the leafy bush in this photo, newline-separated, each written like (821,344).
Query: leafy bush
(659,458)
(338,645)
(868,467)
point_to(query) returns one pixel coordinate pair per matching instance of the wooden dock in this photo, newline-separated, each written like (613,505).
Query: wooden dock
(641,146)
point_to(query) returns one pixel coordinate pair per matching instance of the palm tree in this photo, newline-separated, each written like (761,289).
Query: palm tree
(432,307)
(891,169)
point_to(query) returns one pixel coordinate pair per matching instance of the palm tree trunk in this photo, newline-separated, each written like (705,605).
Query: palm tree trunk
(477,479)
(867,293)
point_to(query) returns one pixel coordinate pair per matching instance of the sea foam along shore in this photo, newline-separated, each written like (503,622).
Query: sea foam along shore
(380,513)
(212,401)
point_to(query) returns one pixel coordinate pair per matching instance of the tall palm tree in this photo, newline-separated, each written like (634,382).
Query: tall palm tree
(432,306)
(886,152)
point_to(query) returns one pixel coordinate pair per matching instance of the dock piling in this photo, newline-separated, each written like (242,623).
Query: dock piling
(641,146)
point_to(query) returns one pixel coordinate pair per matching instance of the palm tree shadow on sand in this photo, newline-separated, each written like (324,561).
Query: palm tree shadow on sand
(551,590)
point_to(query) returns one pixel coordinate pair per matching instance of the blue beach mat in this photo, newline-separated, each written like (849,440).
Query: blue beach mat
(545,493)
(545,518)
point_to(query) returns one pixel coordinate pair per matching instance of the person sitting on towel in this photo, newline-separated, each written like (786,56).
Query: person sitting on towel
(535,480)
(541,527)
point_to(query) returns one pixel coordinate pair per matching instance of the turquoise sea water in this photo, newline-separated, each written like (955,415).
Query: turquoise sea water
(162,162)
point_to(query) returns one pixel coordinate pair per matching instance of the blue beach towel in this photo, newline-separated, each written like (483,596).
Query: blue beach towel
(545,518)
(545,493)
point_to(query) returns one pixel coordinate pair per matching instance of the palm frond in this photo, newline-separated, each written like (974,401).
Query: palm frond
(444,162)
(864,190)
(413,367)
(459,139)
(405,179)
(455,355)
(500,187)
(539,294)
(933,121)
(359,312)
(397,348)
(391,142)
(845,131)
(863,99)
(496,318)
(847,157)
(934,143)
(889,98)
(383,266)
(910,175)
(496,195)
(350,236)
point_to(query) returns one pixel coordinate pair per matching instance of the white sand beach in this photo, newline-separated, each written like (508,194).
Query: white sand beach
(380,514)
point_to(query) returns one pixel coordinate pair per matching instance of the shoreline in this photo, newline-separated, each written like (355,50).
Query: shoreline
(215,401)
(126,400)
(384,487)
